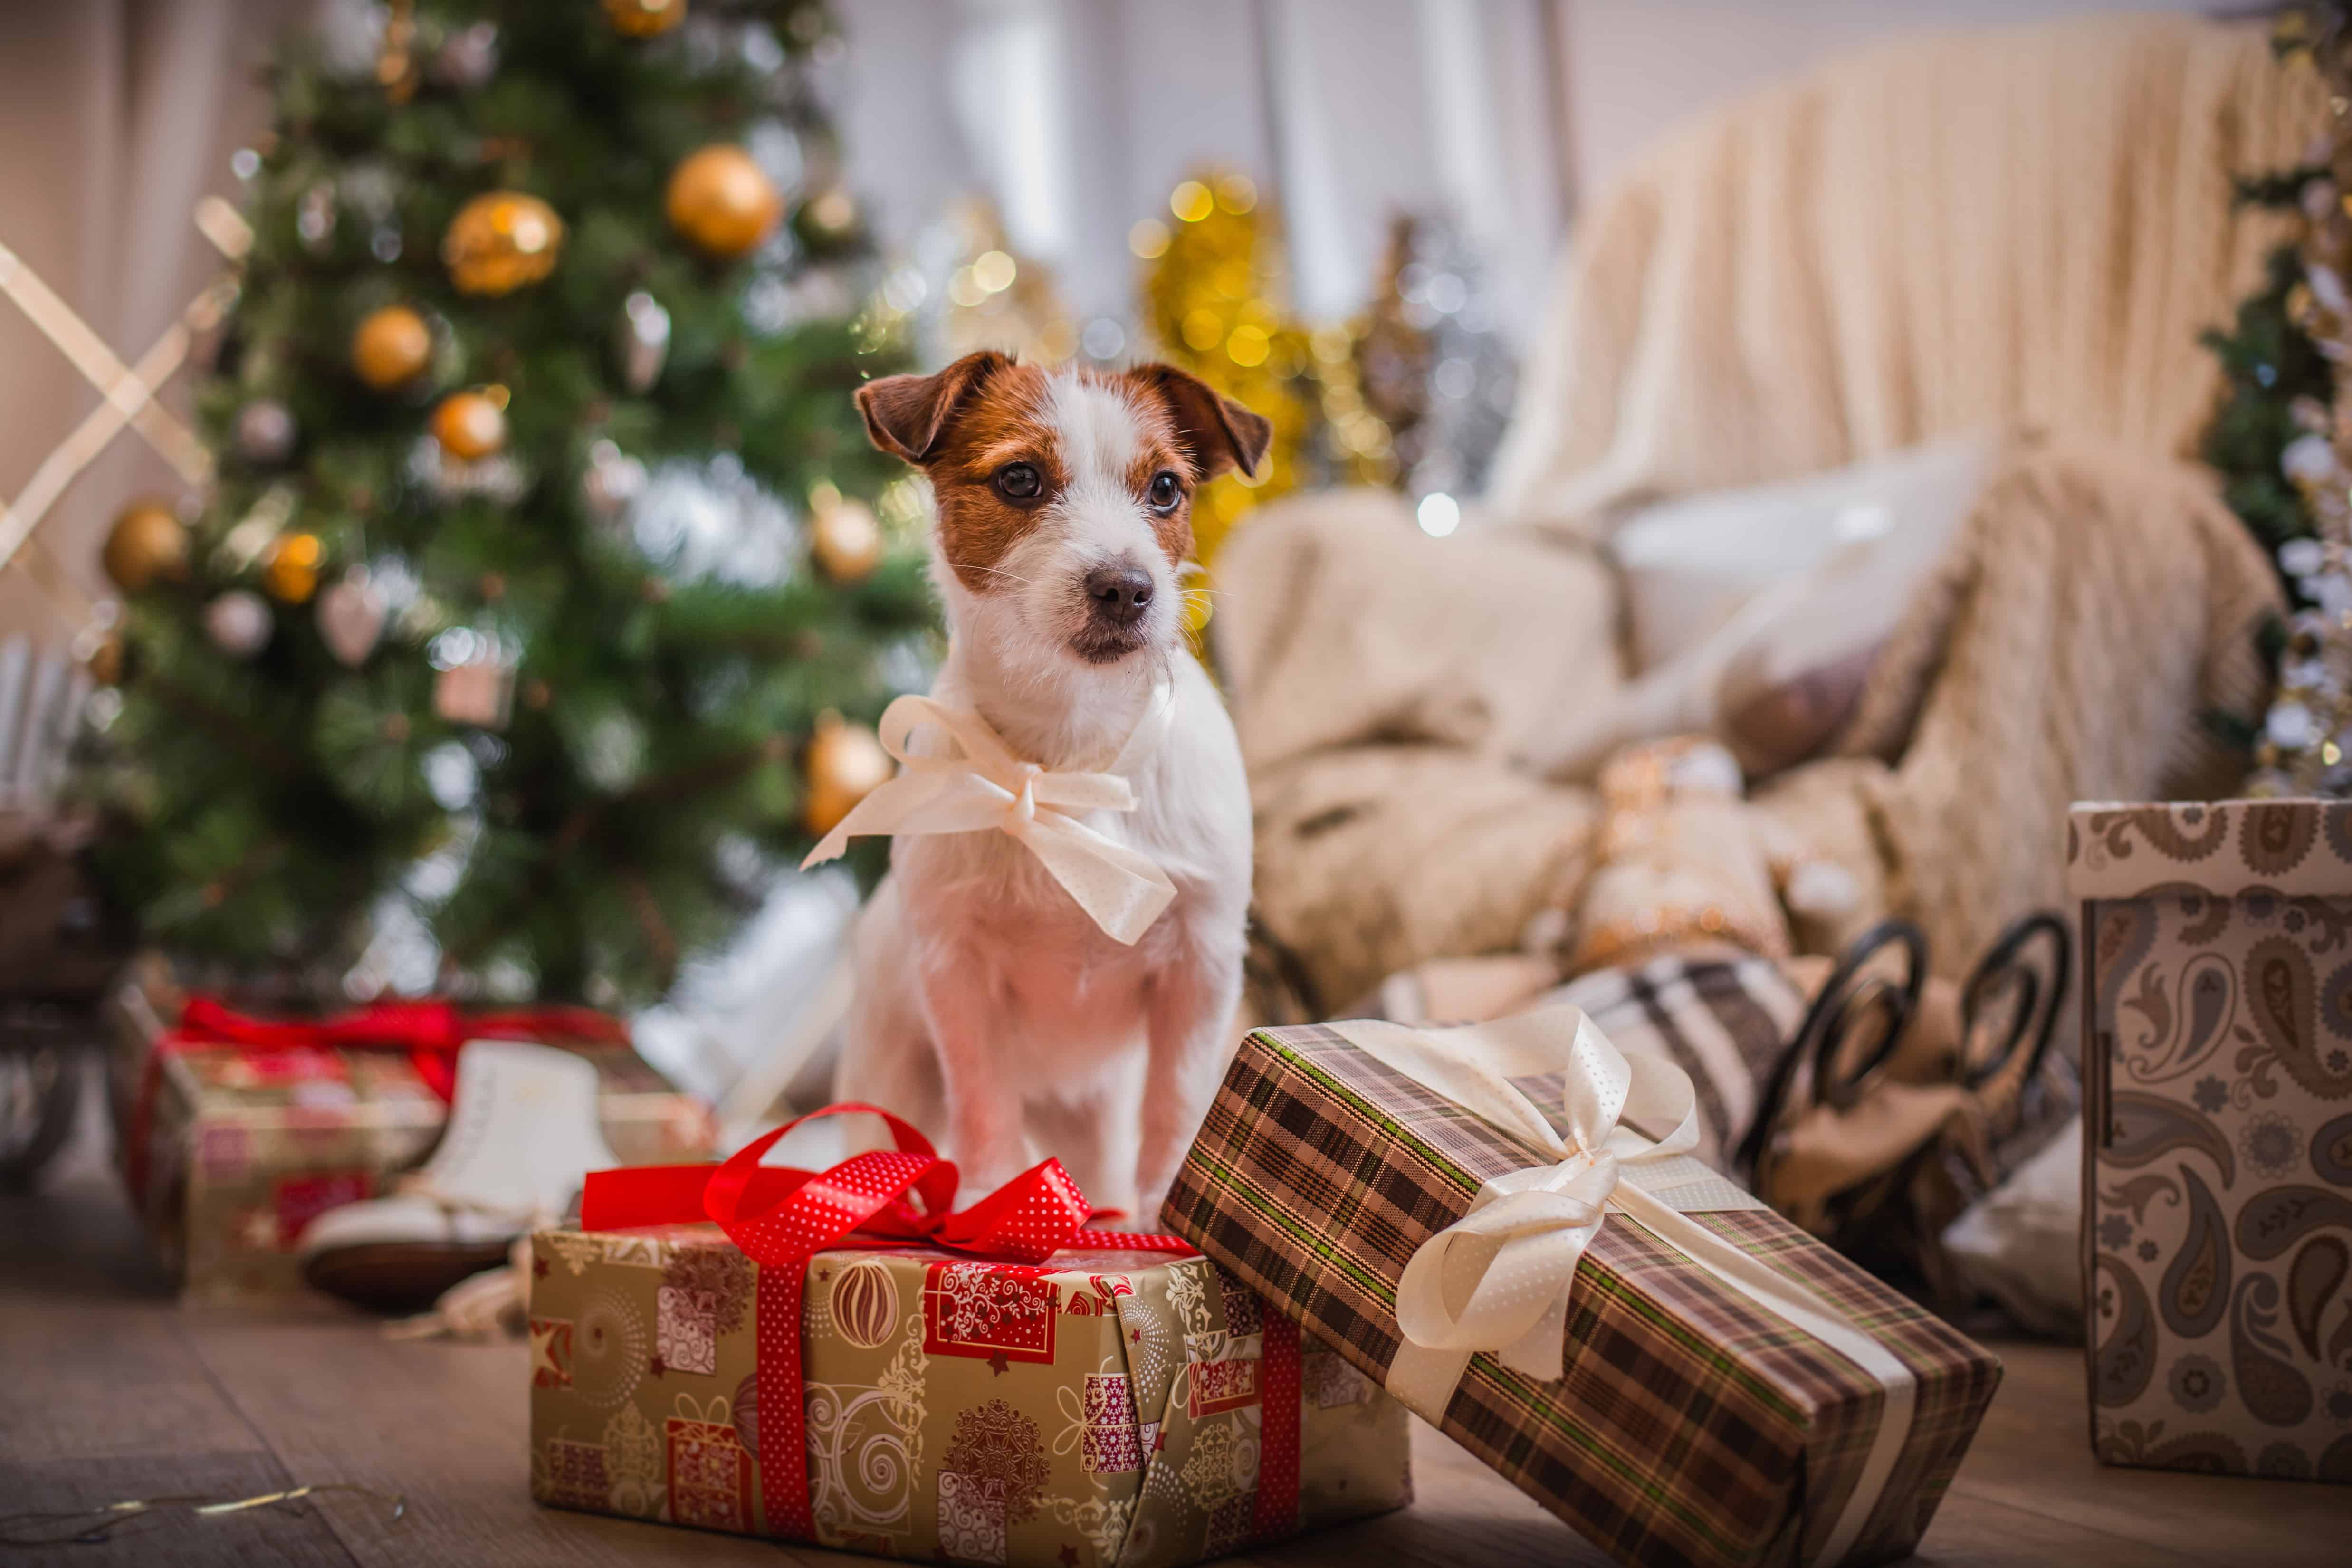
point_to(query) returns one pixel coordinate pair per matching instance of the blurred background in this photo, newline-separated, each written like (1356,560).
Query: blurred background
(442,559)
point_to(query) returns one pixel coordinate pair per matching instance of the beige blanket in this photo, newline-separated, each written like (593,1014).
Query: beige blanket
(1914,242)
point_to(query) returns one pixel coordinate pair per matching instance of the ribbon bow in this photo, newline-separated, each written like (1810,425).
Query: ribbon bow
(782,1216)
(987,787)
(1498,1279)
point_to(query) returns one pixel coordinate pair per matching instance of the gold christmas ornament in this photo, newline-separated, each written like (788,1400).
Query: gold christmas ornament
(722,201)
(499,241)
(292,574)
(644,18)
(105,660)
(865,1305)
(392,347)
(471,426)
(846,540)
(845,763)
(145,545)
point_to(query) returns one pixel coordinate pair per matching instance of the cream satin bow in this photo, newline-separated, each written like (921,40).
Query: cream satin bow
(988,787)
(1498,1279)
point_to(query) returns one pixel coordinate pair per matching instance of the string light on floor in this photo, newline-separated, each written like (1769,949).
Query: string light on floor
(1439,514)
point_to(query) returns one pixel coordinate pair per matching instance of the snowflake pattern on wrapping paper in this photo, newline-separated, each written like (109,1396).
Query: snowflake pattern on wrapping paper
(724,1272)
(995,1442)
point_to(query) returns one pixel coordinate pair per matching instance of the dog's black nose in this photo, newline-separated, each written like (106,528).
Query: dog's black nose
(1120,593)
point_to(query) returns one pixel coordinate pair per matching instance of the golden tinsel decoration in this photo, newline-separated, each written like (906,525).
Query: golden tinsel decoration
(500,241)
(1214,299)
(997,299)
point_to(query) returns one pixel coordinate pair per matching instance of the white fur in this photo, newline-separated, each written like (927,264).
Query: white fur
(991,1010)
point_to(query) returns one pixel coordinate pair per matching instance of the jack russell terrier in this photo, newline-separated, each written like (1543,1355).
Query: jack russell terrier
(1053,965)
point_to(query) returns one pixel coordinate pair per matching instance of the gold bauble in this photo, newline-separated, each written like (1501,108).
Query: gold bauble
(292,574)
(392,347)
(846,540)
(470,426)
(845,763)
(644,18)
(146,545)
(722,201)
(499,241)
(105,660)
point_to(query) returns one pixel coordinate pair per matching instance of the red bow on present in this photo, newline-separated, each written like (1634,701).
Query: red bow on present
(783,1217)
(432,1033)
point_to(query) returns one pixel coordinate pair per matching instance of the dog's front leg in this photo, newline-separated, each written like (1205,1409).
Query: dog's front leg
(983,1115)
(1188,1012)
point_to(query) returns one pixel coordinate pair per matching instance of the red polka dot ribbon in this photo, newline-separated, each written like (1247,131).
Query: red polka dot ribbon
(783,1217)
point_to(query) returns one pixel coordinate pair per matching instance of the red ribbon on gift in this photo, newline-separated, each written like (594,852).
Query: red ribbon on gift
(783,1217)
(431,1033)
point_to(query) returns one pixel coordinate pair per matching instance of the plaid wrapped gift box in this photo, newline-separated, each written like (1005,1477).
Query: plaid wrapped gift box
(1692,1426)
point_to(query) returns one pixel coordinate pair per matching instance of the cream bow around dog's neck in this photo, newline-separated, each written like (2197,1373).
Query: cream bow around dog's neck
(986,786)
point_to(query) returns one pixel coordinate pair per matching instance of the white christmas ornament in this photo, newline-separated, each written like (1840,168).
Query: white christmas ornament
(351,612)
(612,481)
(643,341)
(238,623)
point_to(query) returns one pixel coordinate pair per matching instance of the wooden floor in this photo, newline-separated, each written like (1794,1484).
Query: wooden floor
(109,1391)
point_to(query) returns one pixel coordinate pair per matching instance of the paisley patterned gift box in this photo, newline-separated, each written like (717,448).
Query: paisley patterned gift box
(1106,1407)
(2218,1179)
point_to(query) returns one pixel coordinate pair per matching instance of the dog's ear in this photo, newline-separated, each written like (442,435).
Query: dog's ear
(1216,431)
(906,415)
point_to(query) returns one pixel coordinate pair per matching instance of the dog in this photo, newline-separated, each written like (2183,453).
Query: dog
(991,1010)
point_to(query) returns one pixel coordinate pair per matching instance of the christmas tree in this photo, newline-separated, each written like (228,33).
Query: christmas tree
(542,589)
(2281,439)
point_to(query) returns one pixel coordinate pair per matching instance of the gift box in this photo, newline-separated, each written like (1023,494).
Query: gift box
(1502,1224)
(1109,1399)
(234,1134)
(2217,1027)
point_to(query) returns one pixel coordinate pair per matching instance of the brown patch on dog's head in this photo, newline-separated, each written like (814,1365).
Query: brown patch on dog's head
(1215,432)
(985,418)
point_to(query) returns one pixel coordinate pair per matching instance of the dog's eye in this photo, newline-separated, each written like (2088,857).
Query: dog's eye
(1019,481)
(1166,492)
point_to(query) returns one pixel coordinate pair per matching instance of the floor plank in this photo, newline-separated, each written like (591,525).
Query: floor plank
(294,1534)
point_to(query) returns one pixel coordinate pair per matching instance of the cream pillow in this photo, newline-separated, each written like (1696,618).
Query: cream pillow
(1754,615)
